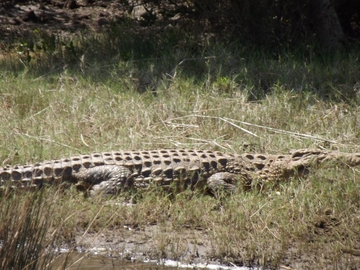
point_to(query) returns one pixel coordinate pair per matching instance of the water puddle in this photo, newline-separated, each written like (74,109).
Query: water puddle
(89,261)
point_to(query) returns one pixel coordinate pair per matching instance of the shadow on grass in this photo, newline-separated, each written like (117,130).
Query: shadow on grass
(140,58)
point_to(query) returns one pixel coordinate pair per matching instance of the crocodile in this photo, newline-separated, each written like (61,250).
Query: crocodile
(116,171)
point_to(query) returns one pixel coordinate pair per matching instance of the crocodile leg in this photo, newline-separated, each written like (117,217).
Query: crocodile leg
(105,179)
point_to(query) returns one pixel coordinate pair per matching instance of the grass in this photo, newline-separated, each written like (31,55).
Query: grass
(87,93)
(27,232)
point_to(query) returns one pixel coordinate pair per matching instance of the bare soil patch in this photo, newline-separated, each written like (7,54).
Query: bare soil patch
(192,246)
(59,16)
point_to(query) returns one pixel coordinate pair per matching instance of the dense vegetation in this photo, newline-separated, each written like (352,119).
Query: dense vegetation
(275,25)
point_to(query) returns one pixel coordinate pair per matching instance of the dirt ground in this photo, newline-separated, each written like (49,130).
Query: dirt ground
(17,20)
(190,247)
(142,244)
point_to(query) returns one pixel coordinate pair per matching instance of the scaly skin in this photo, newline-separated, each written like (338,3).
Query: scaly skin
(111,172)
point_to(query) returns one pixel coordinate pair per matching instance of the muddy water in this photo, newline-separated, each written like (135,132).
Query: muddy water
(100,262)
(128,250)
(80,261)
